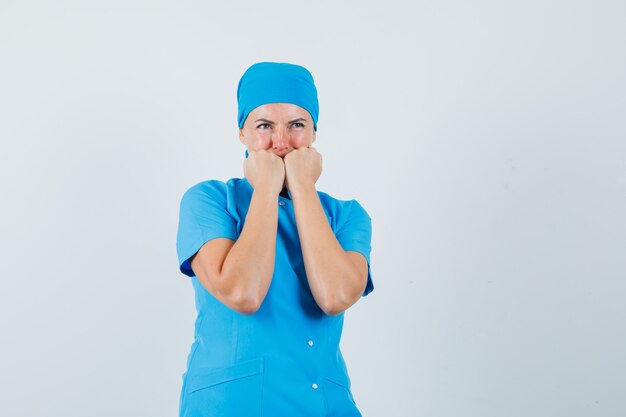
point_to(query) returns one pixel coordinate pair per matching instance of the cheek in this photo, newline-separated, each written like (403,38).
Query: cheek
(302,138)
(261,141)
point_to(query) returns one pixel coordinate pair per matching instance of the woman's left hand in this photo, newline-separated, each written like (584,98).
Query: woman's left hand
(303,168)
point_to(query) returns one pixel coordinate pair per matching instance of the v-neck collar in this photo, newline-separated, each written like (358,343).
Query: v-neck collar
(285,193)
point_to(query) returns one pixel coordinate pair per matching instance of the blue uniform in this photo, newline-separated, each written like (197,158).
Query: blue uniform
(284,360)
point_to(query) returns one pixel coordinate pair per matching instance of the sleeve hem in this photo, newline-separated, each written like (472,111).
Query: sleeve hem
(185,265)
(369,287)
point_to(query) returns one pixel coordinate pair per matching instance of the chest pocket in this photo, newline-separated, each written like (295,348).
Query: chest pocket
(227,391)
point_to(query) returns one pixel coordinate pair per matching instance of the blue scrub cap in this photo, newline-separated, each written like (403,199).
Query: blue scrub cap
(276,82)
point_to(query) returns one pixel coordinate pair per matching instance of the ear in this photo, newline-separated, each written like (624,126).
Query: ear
(241,136)
(314,136)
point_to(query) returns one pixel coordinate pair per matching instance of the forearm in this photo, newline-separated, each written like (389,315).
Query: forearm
(249,266)
(332,277)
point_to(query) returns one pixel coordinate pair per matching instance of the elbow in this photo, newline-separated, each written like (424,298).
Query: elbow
(334,307)
(249,308)
(241,298)
(333,311)
(341,300)
(246,305)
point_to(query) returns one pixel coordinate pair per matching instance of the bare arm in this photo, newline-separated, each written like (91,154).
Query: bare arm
(337,277)
(239,273)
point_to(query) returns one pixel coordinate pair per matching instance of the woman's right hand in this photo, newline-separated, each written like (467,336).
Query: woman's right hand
(265,170)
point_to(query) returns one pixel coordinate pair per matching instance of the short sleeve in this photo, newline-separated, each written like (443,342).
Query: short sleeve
(355,234)
(202,217)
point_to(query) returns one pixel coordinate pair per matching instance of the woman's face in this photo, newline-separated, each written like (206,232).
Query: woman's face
(279,127)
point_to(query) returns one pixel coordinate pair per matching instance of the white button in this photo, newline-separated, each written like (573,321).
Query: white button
(310,343)
(281,202)
(314,386)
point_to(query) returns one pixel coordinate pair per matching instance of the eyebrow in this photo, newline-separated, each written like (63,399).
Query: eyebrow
(300,119)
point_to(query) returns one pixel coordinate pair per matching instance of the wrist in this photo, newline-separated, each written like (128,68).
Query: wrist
(297,189)
(266,190)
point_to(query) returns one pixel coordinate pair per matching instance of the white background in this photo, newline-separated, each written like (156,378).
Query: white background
(486,140)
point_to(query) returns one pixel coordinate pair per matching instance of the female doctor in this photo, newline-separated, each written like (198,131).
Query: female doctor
(274,264)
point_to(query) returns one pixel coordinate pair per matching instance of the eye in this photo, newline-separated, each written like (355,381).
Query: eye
(263,124)
(298,124)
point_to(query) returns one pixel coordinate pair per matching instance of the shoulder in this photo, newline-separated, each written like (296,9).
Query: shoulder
(342,208)
(206,187)
(213,189)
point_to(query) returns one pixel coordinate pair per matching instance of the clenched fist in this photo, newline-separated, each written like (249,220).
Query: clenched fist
(303,167)
(265,170)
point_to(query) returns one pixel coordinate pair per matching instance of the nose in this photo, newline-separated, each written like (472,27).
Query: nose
(280,140)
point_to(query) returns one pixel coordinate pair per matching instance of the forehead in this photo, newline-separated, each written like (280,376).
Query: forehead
(280,110)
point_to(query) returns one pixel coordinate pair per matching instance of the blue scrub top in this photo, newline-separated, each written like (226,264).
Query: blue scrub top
(285,359)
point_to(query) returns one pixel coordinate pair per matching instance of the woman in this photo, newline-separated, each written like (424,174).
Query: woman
(274,264)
